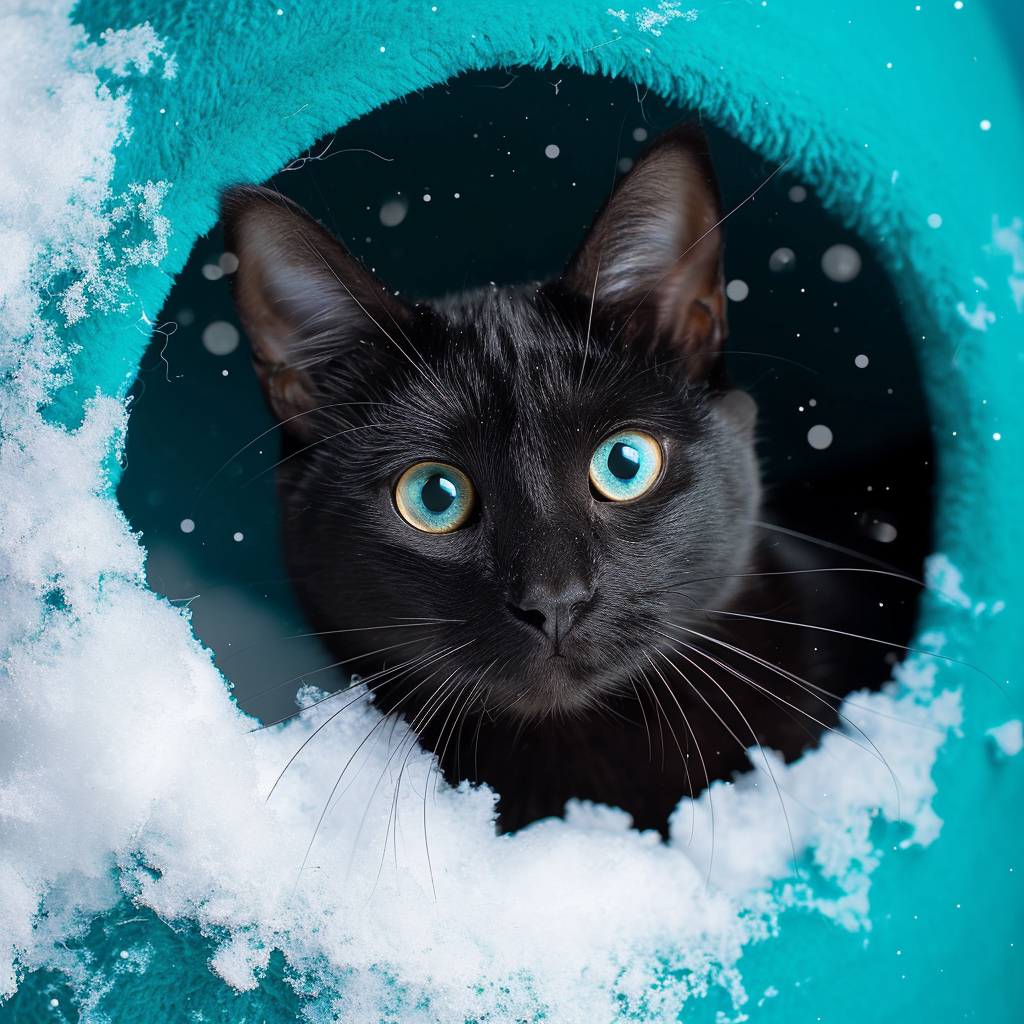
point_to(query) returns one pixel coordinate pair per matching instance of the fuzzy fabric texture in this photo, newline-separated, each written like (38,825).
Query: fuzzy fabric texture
(879,109)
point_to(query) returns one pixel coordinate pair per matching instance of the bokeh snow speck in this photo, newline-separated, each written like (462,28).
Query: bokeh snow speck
(125,768)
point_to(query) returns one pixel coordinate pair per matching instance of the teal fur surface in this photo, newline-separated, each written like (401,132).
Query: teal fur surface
(802,81)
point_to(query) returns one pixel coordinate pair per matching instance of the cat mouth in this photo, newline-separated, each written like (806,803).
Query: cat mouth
(559,683)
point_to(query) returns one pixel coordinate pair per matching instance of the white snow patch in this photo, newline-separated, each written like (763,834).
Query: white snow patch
(654,20)
(945,579)
(1017,291)
(1008,737)
(979,319)
(1009,241)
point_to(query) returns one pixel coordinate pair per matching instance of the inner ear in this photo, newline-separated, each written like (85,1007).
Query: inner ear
(653,256)
(305,302)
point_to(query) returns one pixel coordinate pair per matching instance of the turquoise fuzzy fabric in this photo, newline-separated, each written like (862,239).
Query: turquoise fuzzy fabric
(877,107)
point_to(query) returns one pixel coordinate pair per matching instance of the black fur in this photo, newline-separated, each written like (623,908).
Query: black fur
(556,645)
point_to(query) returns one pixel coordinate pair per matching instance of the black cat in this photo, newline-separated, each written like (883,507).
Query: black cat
(527,516)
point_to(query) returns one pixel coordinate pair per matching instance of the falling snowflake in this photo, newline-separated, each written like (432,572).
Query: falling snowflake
(653,21)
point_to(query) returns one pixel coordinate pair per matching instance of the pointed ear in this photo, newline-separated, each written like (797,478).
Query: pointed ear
(653,257)
(302,297)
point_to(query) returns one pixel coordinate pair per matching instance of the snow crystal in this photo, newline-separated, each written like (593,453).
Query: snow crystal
(654,20)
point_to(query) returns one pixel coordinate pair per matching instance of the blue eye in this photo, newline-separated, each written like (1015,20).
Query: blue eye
(625,465)
(433,497)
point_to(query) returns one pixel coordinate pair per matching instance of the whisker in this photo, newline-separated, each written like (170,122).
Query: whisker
(470,695)
(704,766)
(302,867)
(830,545)
(647,727)
(668,721)
(313,444)
(689,248)
(334,632)
(686,763)
(409,666)
(416,727)
(590,319)
(872,749)
(331,797)
(810,688)
(380,778)
(269,430)
(785,706)
(798,572)
(730,352)
(782,803)
(393,715)
(324,668)
(870,639)
(422,365)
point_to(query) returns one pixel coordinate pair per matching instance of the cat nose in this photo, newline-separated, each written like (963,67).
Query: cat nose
(552,611)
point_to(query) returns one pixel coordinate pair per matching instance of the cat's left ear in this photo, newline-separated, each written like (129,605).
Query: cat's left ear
(652,260)
(304,300)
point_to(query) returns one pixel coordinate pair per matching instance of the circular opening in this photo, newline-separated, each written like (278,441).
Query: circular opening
(493,179)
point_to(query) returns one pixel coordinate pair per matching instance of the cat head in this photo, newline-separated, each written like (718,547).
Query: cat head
(502,497)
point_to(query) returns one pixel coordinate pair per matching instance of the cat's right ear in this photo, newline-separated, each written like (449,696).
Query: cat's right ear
(652,260)
(302,299)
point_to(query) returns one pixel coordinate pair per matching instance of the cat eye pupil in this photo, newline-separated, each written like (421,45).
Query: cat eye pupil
(438,494)
(624,461)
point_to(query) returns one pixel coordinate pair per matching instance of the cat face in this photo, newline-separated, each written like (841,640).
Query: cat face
(494,499)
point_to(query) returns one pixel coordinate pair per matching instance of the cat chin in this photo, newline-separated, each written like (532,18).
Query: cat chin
(553,703)
(559,693)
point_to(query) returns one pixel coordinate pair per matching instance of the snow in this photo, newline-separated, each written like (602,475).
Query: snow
(1008,738)
(737,290)
(819,436)
(654,20)
(841,263)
